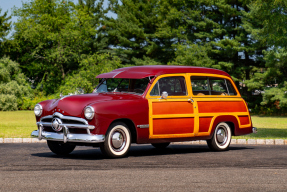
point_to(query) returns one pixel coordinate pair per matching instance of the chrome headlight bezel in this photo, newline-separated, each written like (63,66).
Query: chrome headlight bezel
(38,110)
(89,112)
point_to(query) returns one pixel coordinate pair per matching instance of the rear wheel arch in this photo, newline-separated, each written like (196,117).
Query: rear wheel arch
(229,119)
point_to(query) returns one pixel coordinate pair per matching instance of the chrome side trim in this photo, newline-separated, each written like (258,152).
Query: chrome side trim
(84,138)
(143,126)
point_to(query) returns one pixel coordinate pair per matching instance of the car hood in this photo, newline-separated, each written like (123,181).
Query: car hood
(74,105)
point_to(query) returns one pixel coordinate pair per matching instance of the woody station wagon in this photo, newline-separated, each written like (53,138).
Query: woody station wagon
(146,104)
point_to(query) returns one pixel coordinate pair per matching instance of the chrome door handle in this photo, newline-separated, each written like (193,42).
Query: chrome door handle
(190,100)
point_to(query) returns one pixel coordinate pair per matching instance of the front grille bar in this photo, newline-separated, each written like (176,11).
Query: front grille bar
(79,126)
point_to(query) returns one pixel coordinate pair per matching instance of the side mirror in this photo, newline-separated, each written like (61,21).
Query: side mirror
(164,95)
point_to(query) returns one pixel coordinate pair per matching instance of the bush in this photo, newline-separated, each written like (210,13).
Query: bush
(29,103)
(13,86)
(8,102)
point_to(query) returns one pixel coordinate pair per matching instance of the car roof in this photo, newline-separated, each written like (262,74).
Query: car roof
(139,72)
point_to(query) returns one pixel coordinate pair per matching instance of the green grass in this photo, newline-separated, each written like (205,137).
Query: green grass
(17,124)
(20,124)
(268,128)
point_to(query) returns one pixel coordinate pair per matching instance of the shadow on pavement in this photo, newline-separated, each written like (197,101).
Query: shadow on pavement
(86,153)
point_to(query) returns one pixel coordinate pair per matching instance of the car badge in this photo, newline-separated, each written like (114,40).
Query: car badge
(56,124)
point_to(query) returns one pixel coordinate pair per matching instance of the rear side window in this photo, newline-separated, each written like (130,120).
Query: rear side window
(174,86)
(202,85)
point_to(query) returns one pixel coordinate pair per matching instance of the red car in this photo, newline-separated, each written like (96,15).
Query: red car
(146,104)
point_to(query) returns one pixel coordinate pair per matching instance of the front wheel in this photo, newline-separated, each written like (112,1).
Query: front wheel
(117,142)
(221,138)
(60,148)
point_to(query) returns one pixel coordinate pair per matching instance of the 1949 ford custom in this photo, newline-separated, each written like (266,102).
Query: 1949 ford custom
(146,104)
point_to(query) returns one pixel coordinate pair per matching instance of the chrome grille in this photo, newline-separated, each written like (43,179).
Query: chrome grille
(67,121)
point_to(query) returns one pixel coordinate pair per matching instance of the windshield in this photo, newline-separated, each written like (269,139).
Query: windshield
(135,86)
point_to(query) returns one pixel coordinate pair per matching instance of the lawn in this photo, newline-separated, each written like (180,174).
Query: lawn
(268,128)
(20,124)
(17,124)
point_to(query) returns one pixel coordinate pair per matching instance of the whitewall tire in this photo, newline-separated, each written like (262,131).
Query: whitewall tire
(117,141)
(221,138)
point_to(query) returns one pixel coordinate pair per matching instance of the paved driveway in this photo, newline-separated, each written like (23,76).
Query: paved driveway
(32,167)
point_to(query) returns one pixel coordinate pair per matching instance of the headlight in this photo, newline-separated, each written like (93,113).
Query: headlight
(89,112)
(38,110)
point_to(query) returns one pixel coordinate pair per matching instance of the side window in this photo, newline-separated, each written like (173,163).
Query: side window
(231,89)
(200,85)
(211,86)
(174,86)
(218,86)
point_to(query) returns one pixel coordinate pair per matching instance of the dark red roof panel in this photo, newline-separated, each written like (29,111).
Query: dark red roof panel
(139,72)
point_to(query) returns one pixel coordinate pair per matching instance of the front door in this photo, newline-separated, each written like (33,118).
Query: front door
(172,116)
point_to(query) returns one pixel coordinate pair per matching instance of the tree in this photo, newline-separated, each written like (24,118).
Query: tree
(5,27)
(132,33)
(50,38)
(272,77)
(273,15)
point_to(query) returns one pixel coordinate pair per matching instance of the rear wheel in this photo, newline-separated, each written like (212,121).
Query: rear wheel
(221,138)
(117,141)
(60,148)
(160,145)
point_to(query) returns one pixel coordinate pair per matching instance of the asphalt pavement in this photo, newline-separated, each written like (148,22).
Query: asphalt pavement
(32,167)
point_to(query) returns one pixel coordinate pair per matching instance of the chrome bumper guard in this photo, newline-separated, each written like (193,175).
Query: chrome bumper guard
(254,130)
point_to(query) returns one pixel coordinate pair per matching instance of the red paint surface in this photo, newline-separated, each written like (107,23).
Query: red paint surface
(221,106)
(204,123)
(172,107)
(244,120)
(139,72)
(173,126)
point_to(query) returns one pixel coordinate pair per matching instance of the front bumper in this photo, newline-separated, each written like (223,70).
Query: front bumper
(63,124)
(82,138)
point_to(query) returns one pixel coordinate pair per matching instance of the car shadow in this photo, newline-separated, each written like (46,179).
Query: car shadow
(85,153)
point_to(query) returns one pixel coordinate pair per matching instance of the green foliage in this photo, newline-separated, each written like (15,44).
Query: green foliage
(13,86)
(51,37)
(91,66)
(5,27)
(273,15)
(30,102)
(192,55)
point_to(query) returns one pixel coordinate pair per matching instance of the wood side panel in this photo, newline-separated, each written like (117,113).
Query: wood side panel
(204,123)
(221,106)
(244,120)
(173,126)
(172,107)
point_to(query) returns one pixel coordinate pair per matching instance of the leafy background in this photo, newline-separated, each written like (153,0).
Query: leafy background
(58,46)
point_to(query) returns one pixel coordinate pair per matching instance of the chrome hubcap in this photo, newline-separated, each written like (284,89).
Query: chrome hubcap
(221,135)
(118,140)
